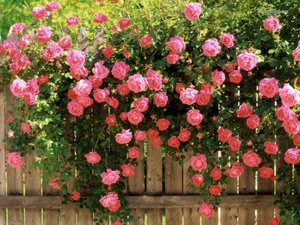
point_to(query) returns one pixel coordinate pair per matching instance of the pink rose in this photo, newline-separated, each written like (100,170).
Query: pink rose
(53,183)
(139,135)
(296,53)
(270,147)
(83,88)
(85,101)
(192,11)
(100,70)
(206,210)
(198,162)
(176,44)
(172,58)
(128,170)
(18,28)
(100,18)
(25,127)
(75,195)
(136,83)
(211,47)
(154,80)
(194,117)
(184,135)
(152,133)
(282,112)
(111,120)
(76,58)
(18,87)
(146,41)
(43,34)
(161,99)
(42,79)
(124,23)
(65,42)
(156,141)
(235,171)
(133,153)
(32,86)
(235,76)
(215,189)
(198,180)
(92,157)
(135,117)
(244,111)
(123,89)
(52,6)
(163,124)
(29,98)
(14,159)
(108,51)
(216,173)
(218,77)
(188,96)
(79,72)
(123,116)
(296,139)
(173,142)
(251,159)
(292,156)
(53,51)
(271,24)
(234,143)
(124,137)
(111,201)
(119,70)
(113,102)
(73,21)
(116,223)
(252,122)
(265,172)
(75,108)
(291,126)
(141,104)
(247,61)
(274,221)
(110,176)
(227,40)
(100,95)
(289,96)
(224,135)
(268,87)
(39,12)
(203,98)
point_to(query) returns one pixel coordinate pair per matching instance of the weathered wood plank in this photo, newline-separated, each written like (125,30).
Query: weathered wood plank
(84,217)
(190,215)
(173,185)
(154,180)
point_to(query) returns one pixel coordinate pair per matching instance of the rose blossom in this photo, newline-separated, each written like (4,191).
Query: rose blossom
(75,108)
(92,157)
(65,42)
(25,127)
(234,143)
(128,170)
(53,51)
(18,87)
(244,111)
(111,120)
(76,58)
(216,173)
(235,171)
(224,135)
(124,137)
(253,122)
(100,18)
(85,101)
(53,183)
(151,133)
(229,67)
(172,58)
(75,195)
(123,116)
(251,159)
(282,112)
(194,117)
(188,96)
(136,83)
(271,24)
(198,179)
(119,70)
(52,6)
(29,98)
(139,135)
(289,96)
(292,156)
(113,102)
(266,172)
(206,210)
(163,124)
(268,87)
(111,201)
(83,88)
(154,80)
(211,47)
(141,104)
(18,28)
(270,147)
(173,142)
(198,162)
(215,189)
(235,76)
(100,70)
(296,53)
(146,41)
(156,141)
(110,176)
(296,139)
(108,51)
(247,61)
(227,40)
(133,152)
(79,72)
(100,95)
(135,117)
(203,98)
(124,23)
(176,44)
(43,34)
(161,99)
(218,77)
(116,223)
(192,11)
(73,21)
(123,89)
(274,221)
(184,135)
(14,159)
(291,126)
(39,12)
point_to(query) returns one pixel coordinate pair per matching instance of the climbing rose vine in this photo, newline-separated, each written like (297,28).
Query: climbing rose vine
(234,106)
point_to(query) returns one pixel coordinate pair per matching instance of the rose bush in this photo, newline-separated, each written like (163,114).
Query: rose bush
(177,83)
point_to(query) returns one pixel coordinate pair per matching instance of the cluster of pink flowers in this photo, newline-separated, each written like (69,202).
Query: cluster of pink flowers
(176,45)
(41,12)
(111,201)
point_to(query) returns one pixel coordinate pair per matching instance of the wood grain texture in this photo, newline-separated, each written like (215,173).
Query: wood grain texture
(190,215)
(84,217)
(154,181)
(173,185)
